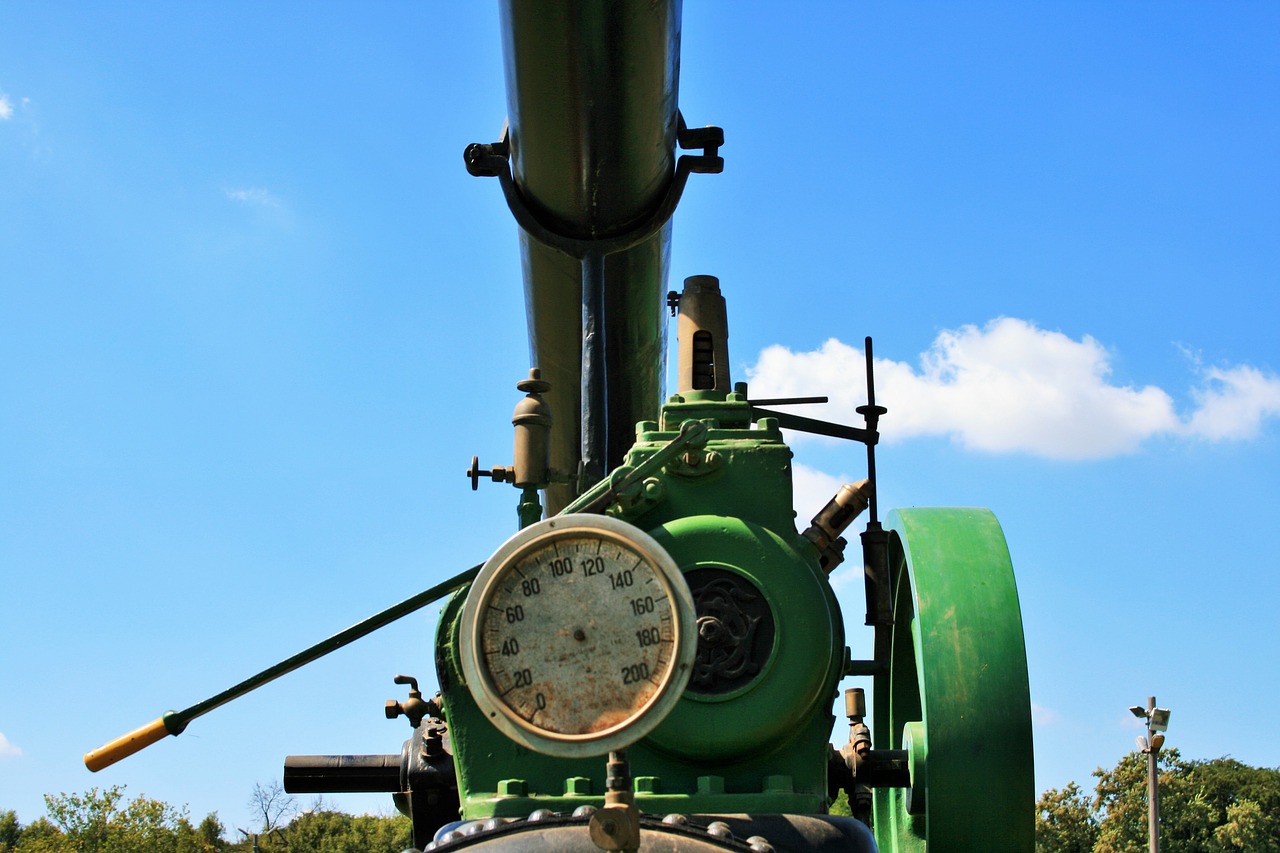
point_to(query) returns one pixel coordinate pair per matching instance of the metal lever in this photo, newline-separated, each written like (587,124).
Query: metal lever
(174,722)
(692,434)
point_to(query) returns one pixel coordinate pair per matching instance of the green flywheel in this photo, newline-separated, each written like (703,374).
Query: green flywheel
(956,695)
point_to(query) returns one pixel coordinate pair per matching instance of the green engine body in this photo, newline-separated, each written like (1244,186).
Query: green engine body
(751,732)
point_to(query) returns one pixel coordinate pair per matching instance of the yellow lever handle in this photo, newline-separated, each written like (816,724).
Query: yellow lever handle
(125,745)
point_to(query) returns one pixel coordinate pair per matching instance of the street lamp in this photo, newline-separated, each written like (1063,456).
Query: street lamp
(1157,722)
(254,835)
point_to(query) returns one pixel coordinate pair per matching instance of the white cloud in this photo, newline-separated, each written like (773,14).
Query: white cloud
(1011,387)
(1042,716)
(6,107)
(253,196)
(8,749)
(1233,403)
(811,489)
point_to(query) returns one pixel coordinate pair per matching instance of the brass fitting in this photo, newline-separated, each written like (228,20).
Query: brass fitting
(702,336)
(825,529)
(532,420)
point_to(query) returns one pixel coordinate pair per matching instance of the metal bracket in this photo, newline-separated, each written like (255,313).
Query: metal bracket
(786,420)
(493,160)
(693,434)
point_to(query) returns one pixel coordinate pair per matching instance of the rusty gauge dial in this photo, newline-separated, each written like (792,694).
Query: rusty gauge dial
(578,635)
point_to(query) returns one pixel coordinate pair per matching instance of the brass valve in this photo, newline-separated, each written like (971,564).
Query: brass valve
(499,473)
(532,422)
(855,708)
(616,827)
(415,707)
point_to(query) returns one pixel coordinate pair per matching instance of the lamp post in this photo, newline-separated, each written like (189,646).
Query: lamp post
(1157,722)
(255,835)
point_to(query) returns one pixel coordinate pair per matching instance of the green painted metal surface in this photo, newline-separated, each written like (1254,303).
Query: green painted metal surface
(802,666)
(956,693)
(762,747)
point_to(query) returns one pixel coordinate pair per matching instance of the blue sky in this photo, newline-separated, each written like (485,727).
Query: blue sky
(255,319)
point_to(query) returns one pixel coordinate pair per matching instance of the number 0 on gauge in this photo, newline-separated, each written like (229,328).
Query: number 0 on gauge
(578,635)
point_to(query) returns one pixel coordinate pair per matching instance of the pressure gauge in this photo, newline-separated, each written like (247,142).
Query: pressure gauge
(578,635)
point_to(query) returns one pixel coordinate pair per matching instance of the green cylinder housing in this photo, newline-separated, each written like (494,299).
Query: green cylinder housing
(769,636)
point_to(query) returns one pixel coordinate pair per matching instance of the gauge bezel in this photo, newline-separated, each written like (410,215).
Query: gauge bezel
(508,558)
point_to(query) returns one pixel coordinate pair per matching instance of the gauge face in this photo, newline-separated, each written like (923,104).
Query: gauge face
(577,636)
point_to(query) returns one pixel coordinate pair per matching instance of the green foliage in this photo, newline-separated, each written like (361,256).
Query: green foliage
(210,832)
(1065,822)
(1216,806)
(1249,828)
(10,830)
(101,821)
(336,832)
(1121,802)
(41,836)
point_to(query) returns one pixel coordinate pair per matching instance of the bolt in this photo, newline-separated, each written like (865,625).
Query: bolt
(710,629)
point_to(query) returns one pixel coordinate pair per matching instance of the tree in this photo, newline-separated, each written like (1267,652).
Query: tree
(336,832)
(205,838)
(1121,803)
(1249,829)
(271,807)
(1065,821)
(105,821)
(10,831)
(41,836)
(101,821)
(1216,806)
(210,832)
(319,831)
(1247,800)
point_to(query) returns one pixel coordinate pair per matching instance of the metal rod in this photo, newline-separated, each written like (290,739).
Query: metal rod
(1153,784)
(175,722)
(324,647)
(872,416)
(788,401)
(875,562)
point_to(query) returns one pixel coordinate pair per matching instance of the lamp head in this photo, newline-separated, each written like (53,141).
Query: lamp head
(1159,719)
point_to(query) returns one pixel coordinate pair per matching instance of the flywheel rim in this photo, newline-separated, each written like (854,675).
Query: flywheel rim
(956,693)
